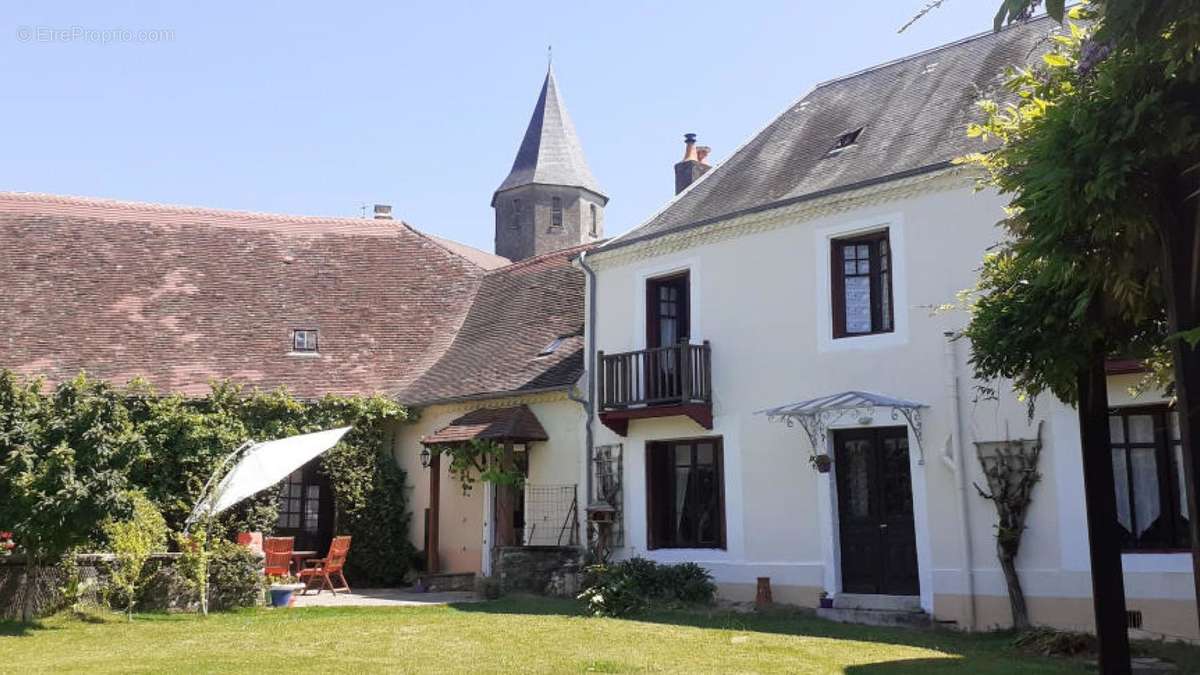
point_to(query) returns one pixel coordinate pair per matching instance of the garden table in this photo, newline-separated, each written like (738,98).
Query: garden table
(298,558)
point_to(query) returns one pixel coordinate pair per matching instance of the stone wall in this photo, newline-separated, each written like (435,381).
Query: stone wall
(545,570)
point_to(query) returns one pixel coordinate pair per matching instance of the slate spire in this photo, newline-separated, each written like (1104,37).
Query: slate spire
(550,153)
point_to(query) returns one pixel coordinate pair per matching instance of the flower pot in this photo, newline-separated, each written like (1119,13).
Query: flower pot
(284,595)
(822,463)
(826,602)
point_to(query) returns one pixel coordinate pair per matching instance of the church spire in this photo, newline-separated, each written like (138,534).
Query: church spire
(550,153)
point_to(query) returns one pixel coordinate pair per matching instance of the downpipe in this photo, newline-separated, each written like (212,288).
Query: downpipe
(590,376)
(960,473)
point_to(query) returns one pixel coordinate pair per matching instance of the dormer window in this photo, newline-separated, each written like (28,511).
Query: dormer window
(556,212)
(515,217)
(844,141)
(304,340)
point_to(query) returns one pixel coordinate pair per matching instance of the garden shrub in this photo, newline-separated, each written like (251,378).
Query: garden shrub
(235,577)
(635,585)
(133,541)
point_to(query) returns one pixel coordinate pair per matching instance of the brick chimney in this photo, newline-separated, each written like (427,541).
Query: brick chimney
(383,212)
(693,164)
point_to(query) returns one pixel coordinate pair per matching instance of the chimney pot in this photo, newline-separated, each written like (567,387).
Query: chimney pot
(383,212)
(692,165)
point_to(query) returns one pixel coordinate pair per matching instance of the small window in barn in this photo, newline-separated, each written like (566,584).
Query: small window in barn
(556,216)
(304,340)
(845,141)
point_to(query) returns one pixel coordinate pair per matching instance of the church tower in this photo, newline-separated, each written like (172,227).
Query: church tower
(550,200)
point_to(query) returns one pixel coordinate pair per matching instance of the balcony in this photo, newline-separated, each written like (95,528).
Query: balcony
(659,382)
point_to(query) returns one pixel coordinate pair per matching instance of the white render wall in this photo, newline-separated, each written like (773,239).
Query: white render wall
(762,299)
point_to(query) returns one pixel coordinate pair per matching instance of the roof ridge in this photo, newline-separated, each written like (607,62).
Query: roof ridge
(442,243)
(925,52)
(542,257)
(184,209)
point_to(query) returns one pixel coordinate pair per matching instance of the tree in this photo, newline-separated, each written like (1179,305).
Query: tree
(65,461)
(1099,151)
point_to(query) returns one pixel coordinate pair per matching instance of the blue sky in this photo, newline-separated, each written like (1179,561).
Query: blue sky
(318,108)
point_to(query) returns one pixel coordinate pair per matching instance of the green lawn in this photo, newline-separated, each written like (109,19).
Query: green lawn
(510,635)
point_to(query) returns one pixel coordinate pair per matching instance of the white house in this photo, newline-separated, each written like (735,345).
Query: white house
(802,276)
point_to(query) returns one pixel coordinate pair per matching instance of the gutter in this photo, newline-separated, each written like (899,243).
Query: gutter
(486,396)
(960,474)
(590,371)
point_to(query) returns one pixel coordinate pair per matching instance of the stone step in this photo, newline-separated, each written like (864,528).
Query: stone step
(889,603)
(877,617)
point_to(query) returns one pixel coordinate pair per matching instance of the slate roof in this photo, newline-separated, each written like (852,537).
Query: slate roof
(550,153)
(181,295)
(913,113)
(499,424)
(517,313)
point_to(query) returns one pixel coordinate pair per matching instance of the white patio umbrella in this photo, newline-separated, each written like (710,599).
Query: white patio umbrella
(262,466)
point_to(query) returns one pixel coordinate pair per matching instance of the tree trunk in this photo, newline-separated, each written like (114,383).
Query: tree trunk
(1099,494)
(1179,226)
(1016,596)
(29,578)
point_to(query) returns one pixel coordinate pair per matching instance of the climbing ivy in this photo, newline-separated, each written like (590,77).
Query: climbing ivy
(480,460)
(169,445)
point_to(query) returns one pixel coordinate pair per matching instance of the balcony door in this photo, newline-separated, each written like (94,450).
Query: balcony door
(668,323)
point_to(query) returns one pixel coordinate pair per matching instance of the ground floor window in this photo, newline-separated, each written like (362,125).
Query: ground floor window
(1147,459)
(685,495)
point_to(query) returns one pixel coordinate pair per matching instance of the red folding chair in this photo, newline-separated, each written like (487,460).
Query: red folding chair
(278,552)
(318,573)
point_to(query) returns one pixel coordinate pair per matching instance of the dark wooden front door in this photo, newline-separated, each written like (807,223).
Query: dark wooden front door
(875,511)
(668,323)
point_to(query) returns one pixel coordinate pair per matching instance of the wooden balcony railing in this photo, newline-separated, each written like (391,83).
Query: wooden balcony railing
(664,376)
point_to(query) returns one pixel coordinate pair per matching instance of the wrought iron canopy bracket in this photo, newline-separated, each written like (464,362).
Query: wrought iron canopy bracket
(817,416)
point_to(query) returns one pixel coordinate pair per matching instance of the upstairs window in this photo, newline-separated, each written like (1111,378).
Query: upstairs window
(594,226)
(514,222)
(862,285)
(304,340)
(556,218)
(1147,461)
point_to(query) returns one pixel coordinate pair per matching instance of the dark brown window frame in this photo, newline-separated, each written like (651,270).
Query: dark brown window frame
(876,275)
(316,335)
(1170,498)
(656,493)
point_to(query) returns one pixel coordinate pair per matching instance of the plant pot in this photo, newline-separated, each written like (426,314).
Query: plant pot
(284,595)
(826,603)
(822,463)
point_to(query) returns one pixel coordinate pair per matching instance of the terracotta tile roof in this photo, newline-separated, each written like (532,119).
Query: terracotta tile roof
(500,424)
(518,313)
(182,295)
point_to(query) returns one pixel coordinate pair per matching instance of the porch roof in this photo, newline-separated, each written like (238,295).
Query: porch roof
(818,414)
(517,424)
(847,400)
